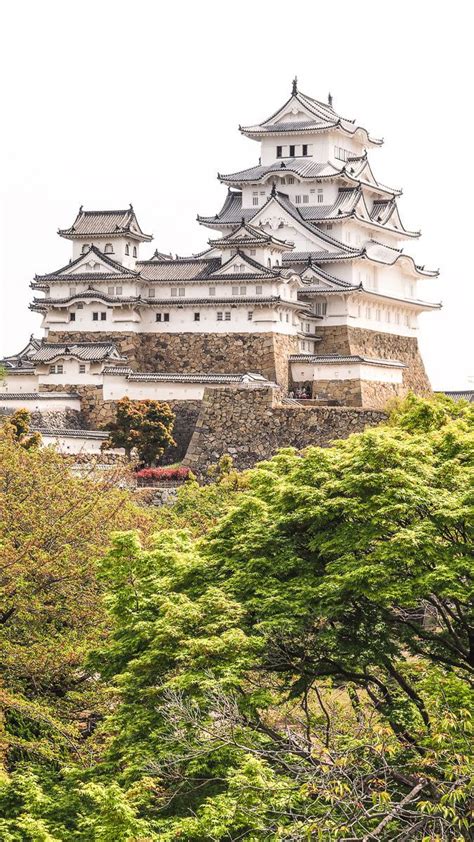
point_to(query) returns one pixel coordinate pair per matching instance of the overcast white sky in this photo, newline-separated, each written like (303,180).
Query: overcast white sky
(106,103)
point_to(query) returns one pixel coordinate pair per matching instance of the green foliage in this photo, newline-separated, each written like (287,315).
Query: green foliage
(289,658)
(18,427)
(145,426)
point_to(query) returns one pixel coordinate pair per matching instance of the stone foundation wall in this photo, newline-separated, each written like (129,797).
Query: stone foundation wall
(365,393)
(252,424)
(369,343)
(226,353)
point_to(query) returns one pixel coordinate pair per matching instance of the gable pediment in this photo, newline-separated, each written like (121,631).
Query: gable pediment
(240,264)
(90,263)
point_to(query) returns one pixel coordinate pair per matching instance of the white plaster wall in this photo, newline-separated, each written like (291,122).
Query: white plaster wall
(76,444)
(181,320)
(118,244)
(116,387)
(311,371)
(43,405)
(19,383)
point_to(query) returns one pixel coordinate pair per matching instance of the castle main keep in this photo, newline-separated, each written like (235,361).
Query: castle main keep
(306,282)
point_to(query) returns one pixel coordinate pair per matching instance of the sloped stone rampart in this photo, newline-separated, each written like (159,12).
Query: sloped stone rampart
(369,343)
(252,424)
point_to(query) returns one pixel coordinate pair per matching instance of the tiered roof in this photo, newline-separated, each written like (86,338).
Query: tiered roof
(115,223)
(301,114)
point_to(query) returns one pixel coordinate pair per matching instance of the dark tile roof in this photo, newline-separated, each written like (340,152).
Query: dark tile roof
(461,395)
(92,351)
(329,359)
(303,167)
(39,396)
(179,270)
(111,223)
(207,377)
(65,432)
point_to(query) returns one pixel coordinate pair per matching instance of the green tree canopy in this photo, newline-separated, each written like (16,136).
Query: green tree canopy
(145,426)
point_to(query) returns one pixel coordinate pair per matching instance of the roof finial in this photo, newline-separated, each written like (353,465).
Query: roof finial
(273,193)
(330,100)
(294,89)
(80,209)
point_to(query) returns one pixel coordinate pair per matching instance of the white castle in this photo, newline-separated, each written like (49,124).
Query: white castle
(305,282)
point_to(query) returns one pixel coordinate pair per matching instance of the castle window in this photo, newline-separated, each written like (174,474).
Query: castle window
(103,316)
(377,314)
(235,290)
(279,151)
(52,369)
(109,249)
(286,317)
(95,317)
(118,290)
(82,368)
(253,251)
(110,290)
(320,196)
(127,249)
(174,292)
(59,368)
(250,315)
(72,317)
(197,317)
(152,292)
(212,290)
(255,200)
(85,248)
(368,313)
(72,290)
(321,308)
(134,251)
(305,149)
(291,180)
(305,200)
(220,315)
(292,151)
(181,291)
(162,317)
(297,200)
(166,317)
(258,289)
(80,305)
(227,315)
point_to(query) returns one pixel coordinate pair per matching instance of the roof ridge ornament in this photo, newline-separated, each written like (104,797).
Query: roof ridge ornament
(330,99)
(273,193)
(294,87)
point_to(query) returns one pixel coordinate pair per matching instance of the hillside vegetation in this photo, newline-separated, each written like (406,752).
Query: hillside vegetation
(283,654)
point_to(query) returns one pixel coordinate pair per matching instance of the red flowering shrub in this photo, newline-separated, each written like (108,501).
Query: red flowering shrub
(146,475)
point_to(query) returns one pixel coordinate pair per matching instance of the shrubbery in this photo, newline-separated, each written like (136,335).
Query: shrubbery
(149,475)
